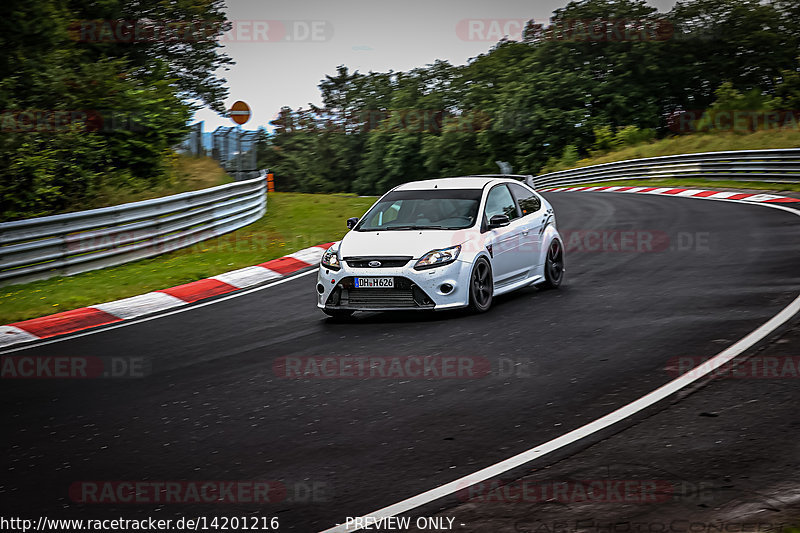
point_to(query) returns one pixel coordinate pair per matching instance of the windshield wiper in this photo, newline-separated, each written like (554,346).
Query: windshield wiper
(412,227)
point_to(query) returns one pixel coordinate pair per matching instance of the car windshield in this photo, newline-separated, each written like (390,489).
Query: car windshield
(423,209)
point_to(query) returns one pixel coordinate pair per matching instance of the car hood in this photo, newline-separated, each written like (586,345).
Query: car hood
(414,243)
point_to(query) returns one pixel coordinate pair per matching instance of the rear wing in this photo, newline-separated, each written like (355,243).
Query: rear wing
(527,179)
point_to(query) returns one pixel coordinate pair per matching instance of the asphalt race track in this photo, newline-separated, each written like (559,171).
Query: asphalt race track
(213,408)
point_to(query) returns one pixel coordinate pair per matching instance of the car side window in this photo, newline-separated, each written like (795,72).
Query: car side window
(500,202)
(528,201)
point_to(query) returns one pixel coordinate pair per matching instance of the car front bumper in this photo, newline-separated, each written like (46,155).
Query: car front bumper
(414,289)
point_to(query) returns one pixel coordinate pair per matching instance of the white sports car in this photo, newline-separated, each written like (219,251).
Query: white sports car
(442,244)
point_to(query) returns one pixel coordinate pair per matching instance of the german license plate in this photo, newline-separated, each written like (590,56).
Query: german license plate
(373,283)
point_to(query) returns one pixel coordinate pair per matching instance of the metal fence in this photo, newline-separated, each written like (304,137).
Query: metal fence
(234,149)
(40,248)
(779,166)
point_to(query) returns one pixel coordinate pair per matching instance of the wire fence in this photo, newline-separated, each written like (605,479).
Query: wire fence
(233,148)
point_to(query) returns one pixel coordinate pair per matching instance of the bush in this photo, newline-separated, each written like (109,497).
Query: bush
(569,158)
(631,135)
(605,139)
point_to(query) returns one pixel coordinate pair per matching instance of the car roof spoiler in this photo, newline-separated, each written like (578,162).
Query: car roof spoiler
(525,178)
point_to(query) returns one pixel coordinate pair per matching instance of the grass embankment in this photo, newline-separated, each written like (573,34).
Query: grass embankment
(187,173)
(293,221)
(701,142)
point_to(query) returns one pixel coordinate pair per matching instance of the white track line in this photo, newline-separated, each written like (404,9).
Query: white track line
(188,307)
(582,432)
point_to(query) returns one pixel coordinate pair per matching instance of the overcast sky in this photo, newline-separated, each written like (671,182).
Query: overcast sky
(283,48)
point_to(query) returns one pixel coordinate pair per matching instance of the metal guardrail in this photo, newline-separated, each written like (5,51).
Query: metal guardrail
(58,245)
(779,166)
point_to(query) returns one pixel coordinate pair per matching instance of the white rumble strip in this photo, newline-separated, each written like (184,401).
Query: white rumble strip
(247,276)
(143,304)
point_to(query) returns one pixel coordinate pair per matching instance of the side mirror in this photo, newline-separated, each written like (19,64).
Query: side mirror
(498,221)
(351,222)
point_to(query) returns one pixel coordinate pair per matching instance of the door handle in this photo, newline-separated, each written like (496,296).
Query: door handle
(525,231)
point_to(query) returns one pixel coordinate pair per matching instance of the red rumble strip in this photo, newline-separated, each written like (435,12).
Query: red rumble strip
(198,290)
(284,265)
(66,322)
(158,301)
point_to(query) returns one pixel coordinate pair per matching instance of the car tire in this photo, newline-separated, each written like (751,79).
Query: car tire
(481,286)
(338,314)
(553,266)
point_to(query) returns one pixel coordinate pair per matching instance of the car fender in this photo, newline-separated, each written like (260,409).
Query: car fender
(548,234)
(475,247)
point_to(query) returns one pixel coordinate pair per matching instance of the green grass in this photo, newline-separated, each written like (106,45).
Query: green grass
(293,221)
(698,184)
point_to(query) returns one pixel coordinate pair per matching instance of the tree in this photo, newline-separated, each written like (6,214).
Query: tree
(81,116)
(603,73)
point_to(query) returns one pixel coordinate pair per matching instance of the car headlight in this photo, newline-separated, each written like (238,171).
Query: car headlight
(330,259)
(436,258)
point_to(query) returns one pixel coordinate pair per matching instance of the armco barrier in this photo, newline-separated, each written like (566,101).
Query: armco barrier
(40,248)
(779,166)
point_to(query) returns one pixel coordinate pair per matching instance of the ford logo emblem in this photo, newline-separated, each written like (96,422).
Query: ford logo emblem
(374,264)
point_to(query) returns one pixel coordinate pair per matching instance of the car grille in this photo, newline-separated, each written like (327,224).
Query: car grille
(379,298)
(404,295)
(386,262)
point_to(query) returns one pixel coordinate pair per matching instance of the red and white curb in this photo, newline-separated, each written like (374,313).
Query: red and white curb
(692,193)
(157,301)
